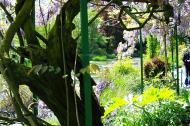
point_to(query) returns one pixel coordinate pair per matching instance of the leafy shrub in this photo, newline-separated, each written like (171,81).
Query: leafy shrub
(98,51)
(120,87)
(154,71)
(155,107)
(121,72)
(148,69)
(123,67)
(153,46)
(111,56)
(165,114)
(120,79)
(165,81)
(154,67)
(99,58)
(159,66)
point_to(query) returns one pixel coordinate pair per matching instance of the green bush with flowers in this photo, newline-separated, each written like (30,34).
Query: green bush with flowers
(120,80)
(155,107)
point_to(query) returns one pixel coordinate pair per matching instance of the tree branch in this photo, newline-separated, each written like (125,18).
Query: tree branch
(19,33)
(1,35)
(94,18)
(10,19)
(21,51)
(41,37)
(44,23)
(13,82)
(13,28)
(9,120)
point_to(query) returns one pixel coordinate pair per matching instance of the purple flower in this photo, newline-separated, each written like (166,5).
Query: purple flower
(136,32)
(153,30)
(6,2)
(46,11)
(100,86)
(114,112)
(112,85)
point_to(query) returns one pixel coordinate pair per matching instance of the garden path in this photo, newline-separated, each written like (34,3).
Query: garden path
(182,76)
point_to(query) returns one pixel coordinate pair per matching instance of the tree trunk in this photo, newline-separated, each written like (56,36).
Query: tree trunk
(52,87)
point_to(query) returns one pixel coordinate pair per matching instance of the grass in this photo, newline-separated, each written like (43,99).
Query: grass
(99,58)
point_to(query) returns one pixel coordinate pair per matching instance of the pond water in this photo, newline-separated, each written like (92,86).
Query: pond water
(110,62)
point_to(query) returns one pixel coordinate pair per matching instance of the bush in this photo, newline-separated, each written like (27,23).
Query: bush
(155,107)
(148,67)
(111,56)
(98,51)
(159,66)
(154,67)
(165,114)
(165,81)
(99,58)
(120,80)
(153,46)
(120,87)
(123,67)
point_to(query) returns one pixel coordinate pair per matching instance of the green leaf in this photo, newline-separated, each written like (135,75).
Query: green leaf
(51,69)
(118,102)
(44,69)
(37,68)
(31,70)
(64,76)
(57,70)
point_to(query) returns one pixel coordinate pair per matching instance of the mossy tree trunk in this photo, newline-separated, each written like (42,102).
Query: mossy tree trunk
(51,87)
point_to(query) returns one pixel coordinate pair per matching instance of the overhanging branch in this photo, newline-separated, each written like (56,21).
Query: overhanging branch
(95,17)
(13,28)
(9,120)
(41,37)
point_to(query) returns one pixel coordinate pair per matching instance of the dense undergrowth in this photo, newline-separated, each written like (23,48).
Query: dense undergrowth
(120,93)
